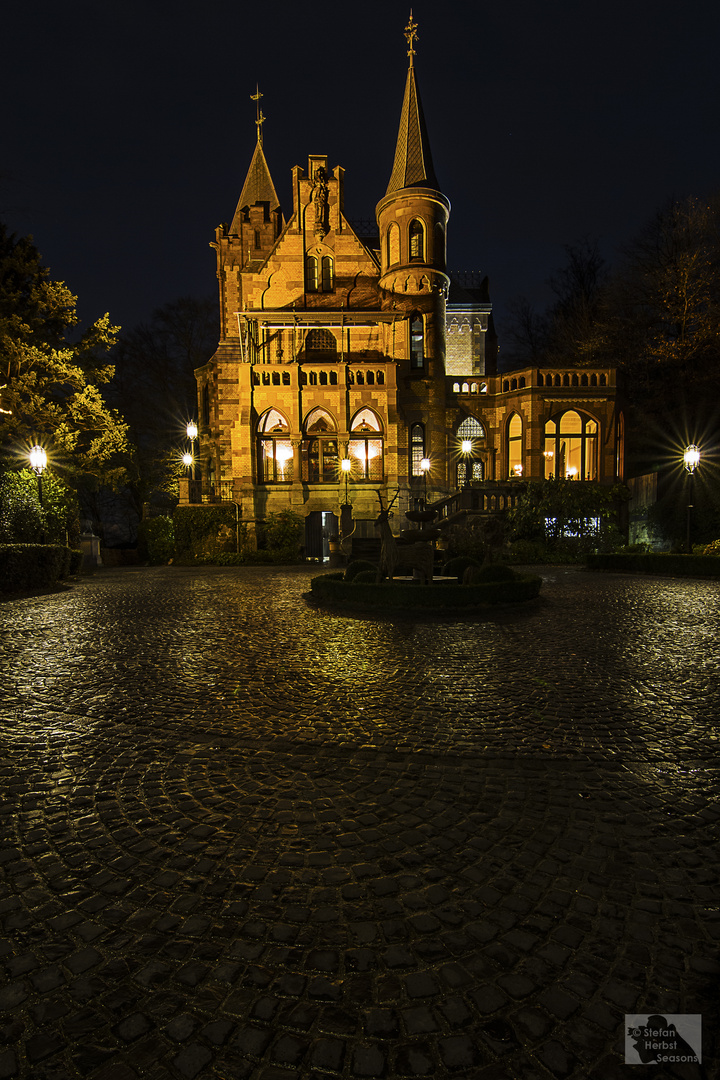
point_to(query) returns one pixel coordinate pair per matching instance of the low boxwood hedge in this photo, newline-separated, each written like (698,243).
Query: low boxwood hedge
(656,563)
(32,566)
(331,589)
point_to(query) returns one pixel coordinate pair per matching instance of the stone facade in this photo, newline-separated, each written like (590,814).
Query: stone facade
(338,347)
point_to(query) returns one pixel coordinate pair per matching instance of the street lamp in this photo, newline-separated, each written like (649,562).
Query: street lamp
(691,460)
(425,466)
(38,464)
(346,466)
(187,462)
(192,432)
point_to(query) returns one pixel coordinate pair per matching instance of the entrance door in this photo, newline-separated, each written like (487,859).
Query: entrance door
(320,525)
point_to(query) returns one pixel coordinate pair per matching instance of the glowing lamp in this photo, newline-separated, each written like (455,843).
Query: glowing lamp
(517,470)
(346,465)
(187,460)
(38,460)
(691,458)
(466,446)
(425,465)
(192,430)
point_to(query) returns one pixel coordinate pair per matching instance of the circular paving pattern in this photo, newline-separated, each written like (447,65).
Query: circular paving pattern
(242,837)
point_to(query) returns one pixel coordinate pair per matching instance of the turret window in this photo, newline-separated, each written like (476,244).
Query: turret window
(393,244)
(417,342)
(417,240)
(417,448)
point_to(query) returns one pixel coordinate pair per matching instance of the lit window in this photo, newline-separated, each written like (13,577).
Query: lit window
(417,448)
(275,452)
(365,448)
(319,453)
(515,454)
(571,447)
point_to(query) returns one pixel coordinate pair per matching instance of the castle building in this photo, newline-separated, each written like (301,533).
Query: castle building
(351,365)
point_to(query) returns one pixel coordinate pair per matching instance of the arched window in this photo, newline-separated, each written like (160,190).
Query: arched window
(470,466)
(417,448)
(439,252)
(275,452)
(319,453)
(417,342)
(381,378)
(416,238)
(514,442)
(311,274)
(620,448)
(365,448)
(393,244)
(327,274)
(320,341)
(571,447)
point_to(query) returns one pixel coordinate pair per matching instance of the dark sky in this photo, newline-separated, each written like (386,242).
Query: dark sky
(128,126)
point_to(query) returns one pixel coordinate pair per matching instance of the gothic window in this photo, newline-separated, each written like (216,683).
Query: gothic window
(416,236)
(370,378)
(327,274)
(275,452)
(571,447)
(257,238)
(365,448)
(470,467)
(472,470)
(320,461)
(514,443)
(417,342)
(320,341)
(311,274)
(393,244)
(417,448)
(381,378)
(471,429)
(620,448)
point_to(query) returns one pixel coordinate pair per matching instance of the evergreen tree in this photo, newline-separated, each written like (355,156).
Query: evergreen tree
(52,375)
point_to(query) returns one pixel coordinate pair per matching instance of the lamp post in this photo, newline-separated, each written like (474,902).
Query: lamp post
(38,464)
(691,460)
(425,466)
(192,432)
(188,462)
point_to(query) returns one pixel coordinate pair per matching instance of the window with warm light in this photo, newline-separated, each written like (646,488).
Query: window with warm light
(320,456)
(365,448)
(416,236)
(514,446)
(417,448)
(571,447)
(471,467)
(417,342)
(275,452)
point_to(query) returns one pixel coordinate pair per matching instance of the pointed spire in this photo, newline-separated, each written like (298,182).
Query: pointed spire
(413,165)
(258,186)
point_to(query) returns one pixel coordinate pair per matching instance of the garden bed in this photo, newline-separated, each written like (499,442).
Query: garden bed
(702,566)
(412,596)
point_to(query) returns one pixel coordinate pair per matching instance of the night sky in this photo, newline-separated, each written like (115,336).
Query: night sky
(128,126)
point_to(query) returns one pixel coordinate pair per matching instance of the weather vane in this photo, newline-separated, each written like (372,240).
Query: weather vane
(411,36)
(260,116)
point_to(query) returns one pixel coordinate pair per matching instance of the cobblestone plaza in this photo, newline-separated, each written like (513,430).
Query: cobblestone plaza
(245,838)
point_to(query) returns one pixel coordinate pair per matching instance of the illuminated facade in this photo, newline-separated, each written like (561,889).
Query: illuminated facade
(334,345)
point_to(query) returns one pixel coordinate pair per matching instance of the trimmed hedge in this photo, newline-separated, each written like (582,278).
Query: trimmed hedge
(359,567)
(456,567)
(704,566)
(33,566)
(331,589)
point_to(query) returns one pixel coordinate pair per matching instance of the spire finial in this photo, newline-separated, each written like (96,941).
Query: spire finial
(411,36)
(261,118)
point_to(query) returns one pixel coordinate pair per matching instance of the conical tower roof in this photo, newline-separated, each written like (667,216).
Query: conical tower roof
(258,187)
(413,165)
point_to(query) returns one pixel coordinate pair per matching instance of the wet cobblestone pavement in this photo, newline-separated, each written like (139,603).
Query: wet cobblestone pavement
(245,838)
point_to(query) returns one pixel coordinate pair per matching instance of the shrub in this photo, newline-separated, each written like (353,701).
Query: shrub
(23,520)
(358,567)
(657,563)
(283,535)
(712,549)
(31,566)
(456,567)
(527,551)
(77,556)
(156,541)
(197,529)
(331,589)
(365,575)
(476,575)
